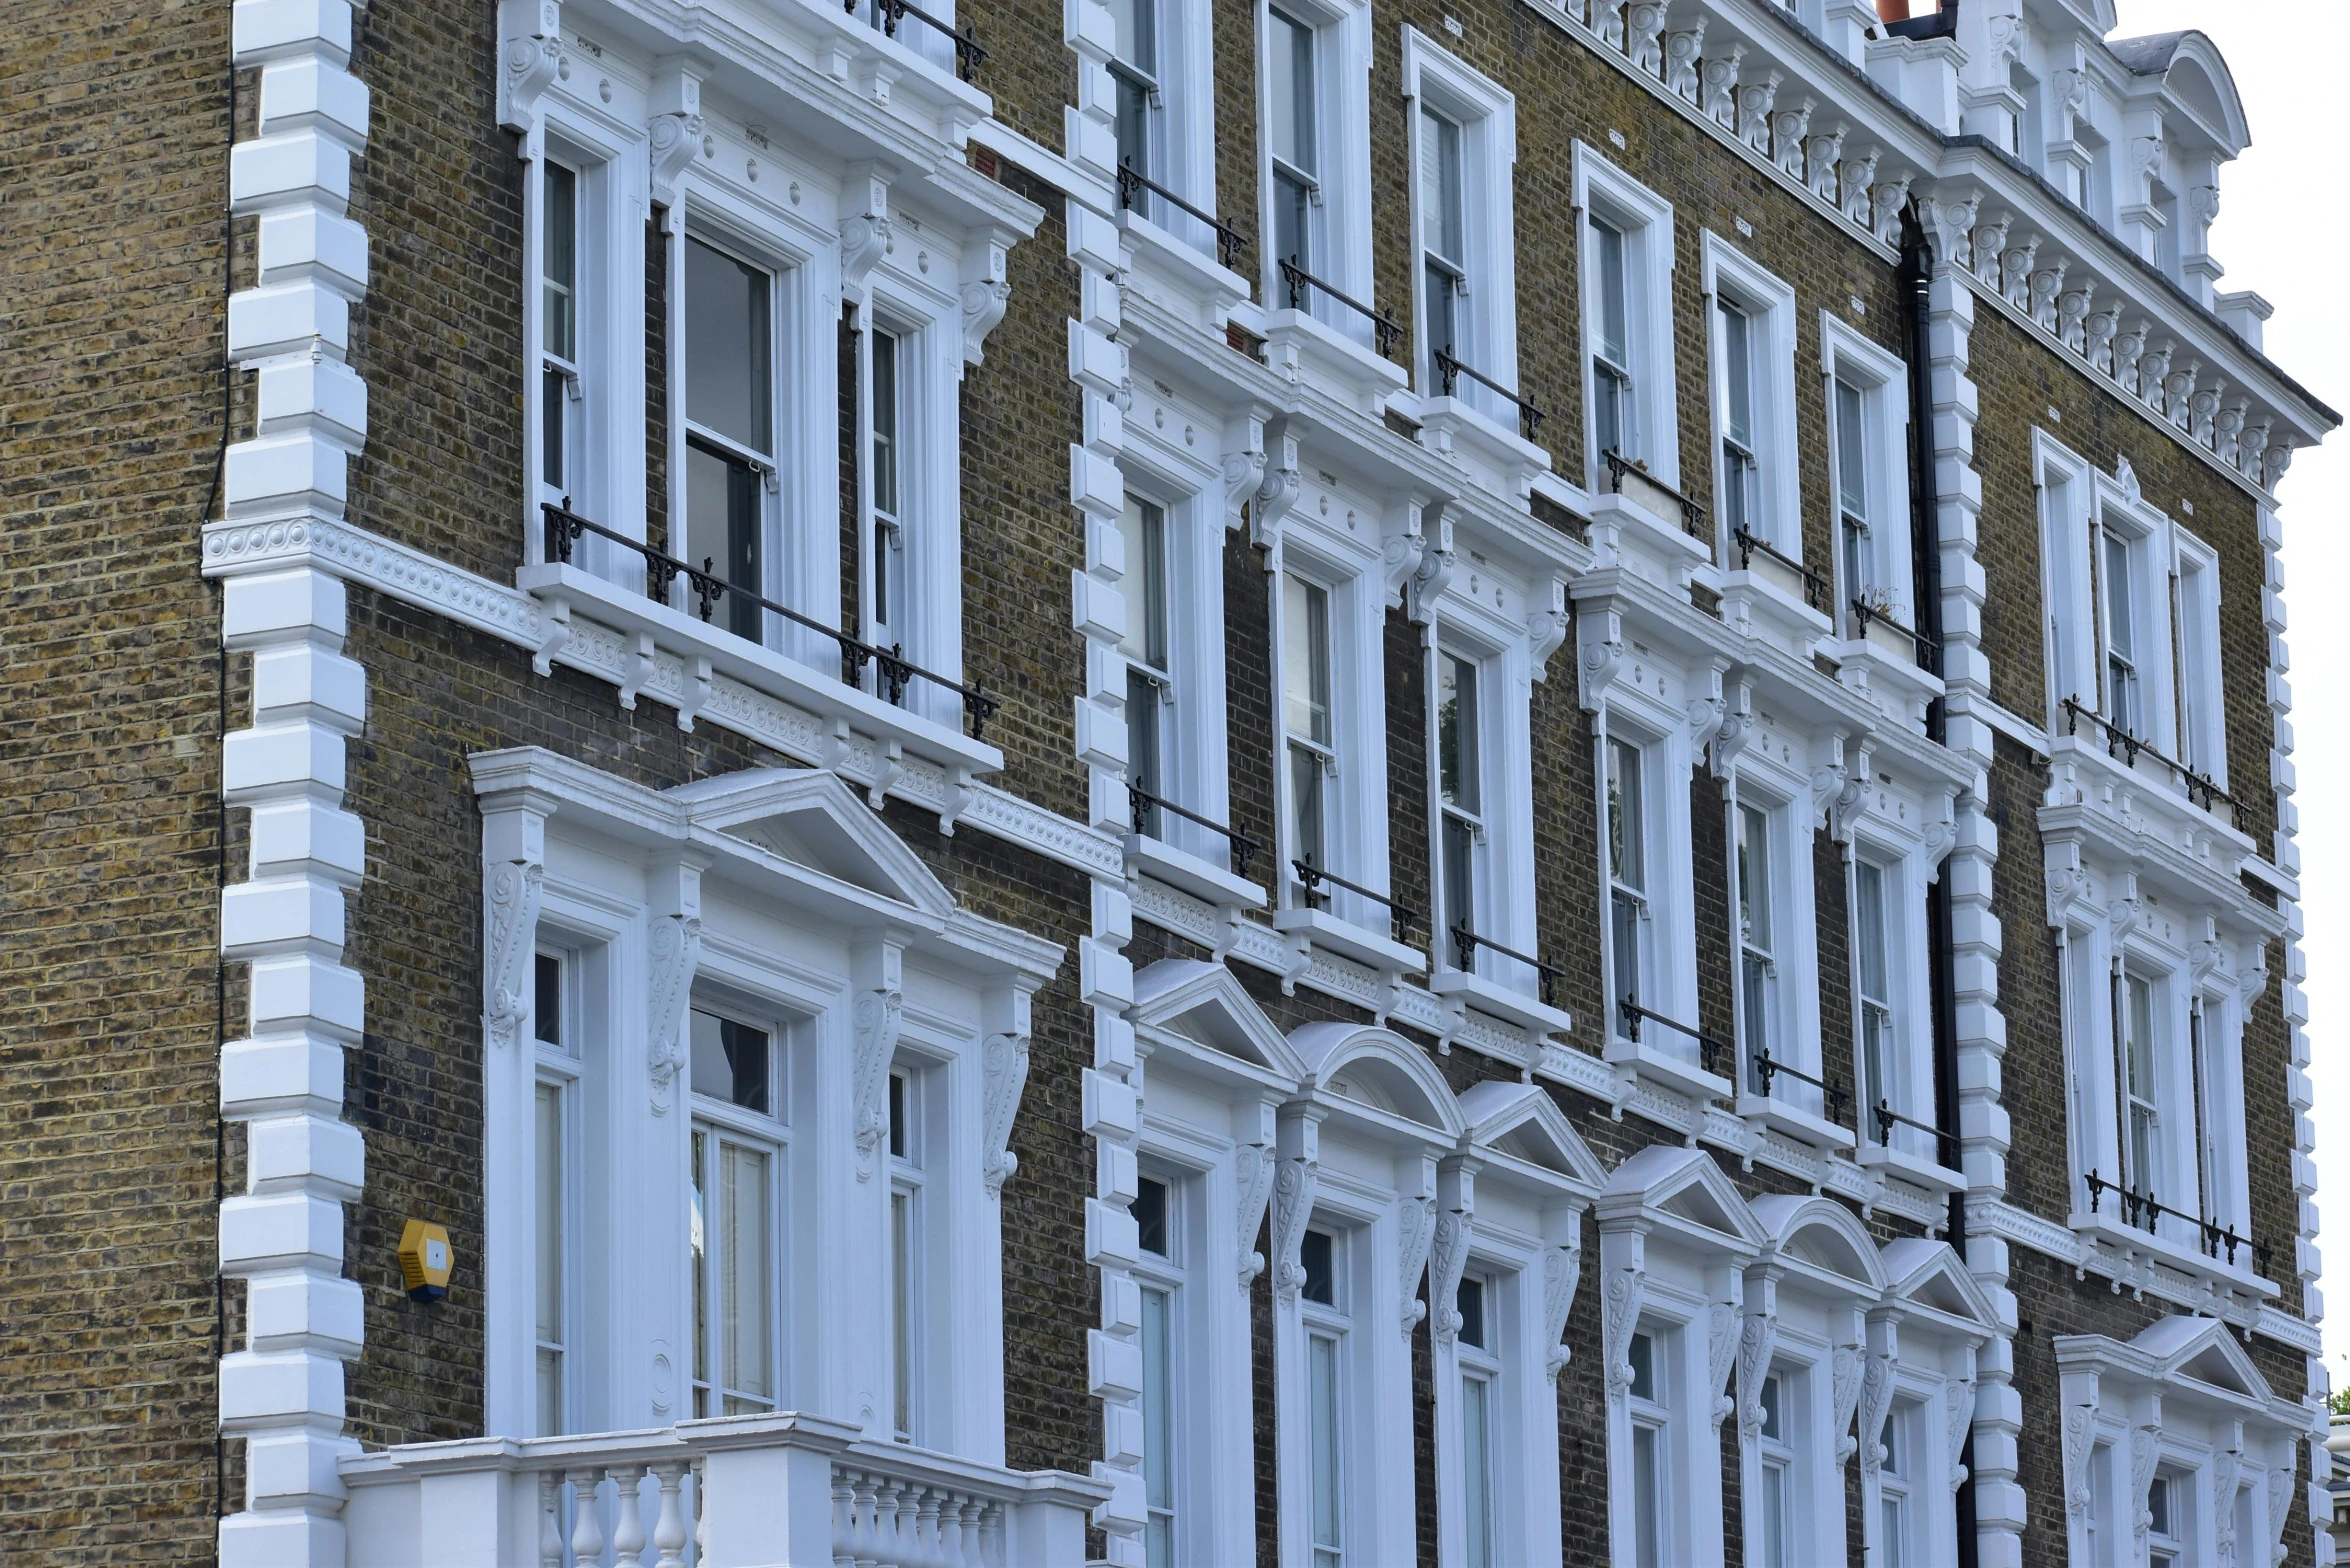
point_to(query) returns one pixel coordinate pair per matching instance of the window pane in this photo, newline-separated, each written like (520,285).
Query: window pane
(1440,185)
(745,1295)
(1137,43)
(1647,1504)
(547,999)
(1317,1255)
(1774,1515)
(1457,732)
(1895,1523)
(1305,802)
(697,1244)
(726,345)
(560,238)
(1754,877)
(1322,1400)
(1774,1395)
(1624,924)
(1441,289)
(722,526)
(1477,1469)
(1737,377)
(1143,527)
(1290,76)
(901,1307)
(1150,1216)
(1306,659)
(1158,1425)
(1469,1302)
(548,1190)
(1612,410)
(1460,882)
(1643,1358)
(1292,235)
(1852,488)
(1614,306)
(729,1061)
(1144,764)
(554,416)
(1626,853)
(1869,885)
(2120,621)
(885,423)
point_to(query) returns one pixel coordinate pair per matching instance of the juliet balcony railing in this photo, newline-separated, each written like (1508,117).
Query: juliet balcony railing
(887,15)
(1709,1049)
(1143,807)
(1465,943)
(1385,329)
(739,1491)
(1652,491)
(1748,546)
(1132,183)
(565,528)
(1925,647)
(1450,369)
(2139,1211)
(1767,1068)
(2127,748)
(1311,878)
(1884,1118)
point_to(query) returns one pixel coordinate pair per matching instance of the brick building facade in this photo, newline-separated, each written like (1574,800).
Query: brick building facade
(1476,783)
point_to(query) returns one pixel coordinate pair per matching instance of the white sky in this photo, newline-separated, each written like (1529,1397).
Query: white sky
(2281,232)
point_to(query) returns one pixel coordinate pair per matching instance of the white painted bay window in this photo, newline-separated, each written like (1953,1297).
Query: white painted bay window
(1627,270)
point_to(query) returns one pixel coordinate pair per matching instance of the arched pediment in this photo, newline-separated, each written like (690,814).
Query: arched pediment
(1929,1275)
(1684,1186)
(1822,1237)
(1381,1070)
(2196,76)
(1206,1003)
(2205,1350)
(808,817)
(1522,1122)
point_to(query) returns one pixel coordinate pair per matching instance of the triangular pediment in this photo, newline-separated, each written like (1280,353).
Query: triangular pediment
(1929,1274)
(809,818)
(2206,1350)
(1685,1183)
(1380,1070)
(1525,1123)
(1206,1003)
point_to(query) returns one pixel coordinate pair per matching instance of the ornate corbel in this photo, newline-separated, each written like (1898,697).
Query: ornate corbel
(2015,272)
(2226,1469)
(2178,391)
(1839,788)
(2072,315)
(1723,1339)
(864,238)
(2203,411)
(1718,86)
(1788,129)
(2280,1510)
(2125,477)
(1601,654)
(1987,245)
(1755,102)
(1758,1336)
(673,136)
(1562,1272)
(1277,493)
(1620,1315)
(1253,1167)
(2277,458)
(1244,463)
(987,293)
(1004,1076)
(1415,1234)
(673,951)
(2145,1454)
(1950,228)
(1448,1260)
(2080,1442)
(2227,426)
(1703,714)
(2154,371)
(2251,448)
(2047,283)
(1294,1185)
(2125,910)
(1644,24)
(1856,180)
(1607,19)
(511,891)
(1885,201)
(1958,1412)
(2100,328)
(1844,1393)
(1682,52)
(1735,733)
(1821,154)
(1546,628)
(878,985)
(530,56)
(1939,835)
(1876,1402)
(2129,346)
(1434,568)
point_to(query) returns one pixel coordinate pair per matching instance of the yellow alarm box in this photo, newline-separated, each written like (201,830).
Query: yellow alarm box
(425,1260)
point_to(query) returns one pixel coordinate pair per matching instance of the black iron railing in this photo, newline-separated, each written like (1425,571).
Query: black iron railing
(1311,877)
(1767,1067)
(1450,369)
(1708,1048)
(1815,587)
(1140,802)
(566,527)
(2140,1212)
(1229,240)
(887,14)
(1385,329)
(1465,943)
(2121,743)
(1923,645)
(1620,467)
(1887,1118)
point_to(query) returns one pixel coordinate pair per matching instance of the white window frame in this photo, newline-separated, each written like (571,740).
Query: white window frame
(1503,896)
(770,1133)
(605,481)
(1910,1063)
(1179,131)
(1179,1276)
(1485,323)
(1792,1028)
(1645,219)
(1881,379)
(1338,249)
(2202,698)
(1670,968)
(1732,278)
(561,1069)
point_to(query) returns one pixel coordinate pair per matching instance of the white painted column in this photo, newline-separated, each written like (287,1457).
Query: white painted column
(283,1235)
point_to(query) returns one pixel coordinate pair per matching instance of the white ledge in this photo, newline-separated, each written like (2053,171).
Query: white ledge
(1504,1002)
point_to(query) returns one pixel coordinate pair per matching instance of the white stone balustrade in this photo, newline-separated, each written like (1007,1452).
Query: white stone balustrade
(778,1491)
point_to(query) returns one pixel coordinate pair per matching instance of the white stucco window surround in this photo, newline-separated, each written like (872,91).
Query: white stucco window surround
(799,227)
(1326,574)
(1750,342)
(1171,540)
(1769,815)
(1801,1344)
(1314,170)
(1162,76)
(2183,1407)
(1876,612)
(1675,1238)
(1214,1071)
(1626,242)
(1463,134)
(1489,637)
(1354,1216)
(1917,1402)
(758,957)
(1507,1258)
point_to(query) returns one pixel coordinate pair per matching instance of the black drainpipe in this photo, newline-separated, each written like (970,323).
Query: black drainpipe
(1917,275)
